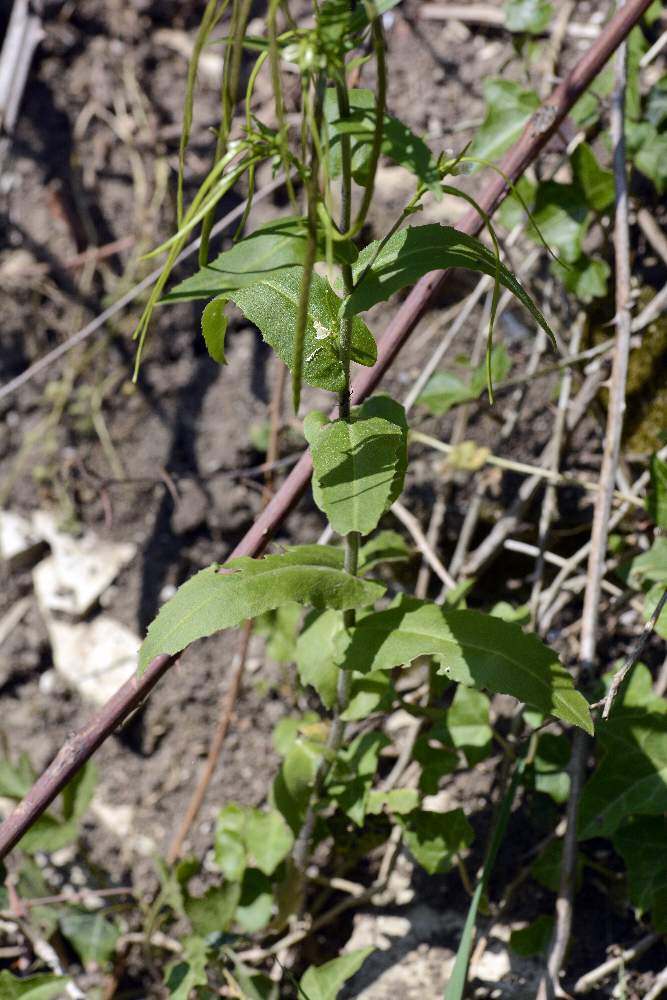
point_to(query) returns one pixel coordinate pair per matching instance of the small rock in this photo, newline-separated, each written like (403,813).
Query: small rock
(94,658)
(20,544)
(78,571)
(117,819)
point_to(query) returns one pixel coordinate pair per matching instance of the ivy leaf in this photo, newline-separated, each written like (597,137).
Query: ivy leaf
(92,935)
(435,838)
(268,838)
(631,776)
(561,213)
(184,975)
(596,183)
(468,723)
(383,547)
(656,502)
(417,250)
(475,649)
(399,142)
(268,250)
(323,982)
(316,654)
(214,328)
(256,903)
(31,987)
(641,844)
(586,277)
(508,109)
(534,939)
(213,912)
(355,466)
(529,16)
(210,601)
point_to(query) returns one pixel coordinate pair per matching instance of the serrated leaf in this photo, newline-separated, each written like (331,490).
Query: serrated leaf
(211,601)
(268,250)
(272,303)
(324,982)
(417,250)
(399,142)
(92,935)
(435,838)
(529,16)
(355,465)
(383,547)
(475,649)
(631,776)
(31,987)
(509,107)
(214,328)
(656,502)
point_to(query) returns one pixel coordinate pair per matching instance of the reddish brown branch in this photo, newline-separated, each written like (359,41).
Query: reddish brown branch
(542,126)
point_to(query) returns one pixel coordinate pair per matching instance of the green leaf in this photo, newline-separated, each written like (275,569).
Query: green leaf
(446,389)
(16,780)
(468,723)
(268,839)
(230,848)
(656,502)
(213,912)
(183,976)
(350,780)
(369,693)
(280,628)
(92,935)
(49,834)
(476,649)
(214,328)
(417,250)
(435,761)
(435,838)
(78,793)
(587,277)
(31,987)
(317,651)
(641,843)
(294,781)
(355,465)
(651,565)
(651,157)
(550,767)
(631,776)
(509,108)
(398,801)
(256,903)
(596,183)
(399,143)
(534,939)
(211,601)
(270,249)
(324,982)
(561,214)
(383,547)
(530,16)
(656,105)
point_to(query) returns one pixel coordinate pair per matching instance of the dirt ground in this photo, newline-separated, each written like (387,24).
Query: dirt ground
(93,161)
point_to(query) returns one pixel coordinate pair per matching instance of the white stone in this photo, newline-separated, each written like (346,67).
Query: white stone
(116,819)
(78,571)
(19,542)
(94,657)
